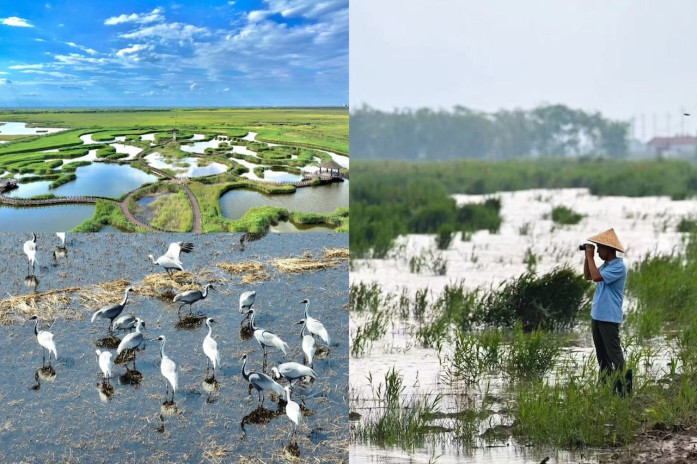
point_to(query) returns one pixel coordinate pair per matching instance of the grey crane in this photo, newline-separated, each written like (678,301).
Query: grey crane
(132,340)
(170,260)
(111,312)
(260,381)
(125,322)
(247,300)
(190,297)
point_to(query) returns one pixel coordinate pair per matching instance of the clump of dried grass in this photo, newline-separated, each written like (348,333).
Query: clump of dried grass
(254,271)
(100,295)
(155,284)
(303,264)
(48,305)
(336,253)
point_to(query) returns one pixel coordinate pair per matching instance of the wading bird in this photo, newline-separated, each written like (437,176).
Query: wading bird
(30,251)
(314,326)
(265,338)
(105,364)
(170,260)
(260,381)
(45,339)
(247,300)
(309,348)
(132,341)
(210,348)
(168,369)
(125,322)
(111,312)
(61,235)
(293,410)
(190,297)
(292,372)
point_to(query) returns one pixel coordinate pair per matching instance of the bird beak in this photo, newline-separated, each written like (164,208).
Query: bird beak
(299,322)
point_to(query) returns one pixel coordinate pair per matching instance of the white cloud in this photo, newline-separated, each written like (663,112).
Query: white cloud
(48,73)
(40,40)
(258,15)
(27,66)
(5,81)
(84,49)
(15,21)
(135,48)
(154,15)
(192,86)
(4,73)
(164,32)
(226,89)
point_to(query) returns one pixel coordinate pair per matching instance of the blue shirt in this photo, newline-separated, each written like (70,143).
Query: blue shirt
(607,301)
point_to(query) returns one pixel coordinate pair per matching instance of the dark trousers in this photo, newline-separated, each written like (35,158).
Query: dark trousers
(608,350)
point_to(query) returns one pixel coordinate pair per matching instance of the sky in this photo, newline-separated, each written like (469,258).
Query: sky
(77,53)
(624,58)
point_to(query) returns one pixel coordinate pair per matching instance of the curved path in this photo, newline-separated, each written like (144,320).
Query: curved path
(131,217)
(195,208)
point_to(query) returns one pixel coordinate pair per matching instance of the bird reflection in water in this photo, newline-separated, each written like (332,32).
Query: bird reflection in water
(31,282)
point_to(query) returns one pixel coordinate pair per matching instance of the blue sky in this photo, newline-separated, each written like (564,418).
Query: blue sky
(187,53)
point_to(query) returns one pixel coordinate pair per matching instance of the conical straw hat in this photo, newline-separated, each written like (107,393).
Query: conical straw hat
(608,238)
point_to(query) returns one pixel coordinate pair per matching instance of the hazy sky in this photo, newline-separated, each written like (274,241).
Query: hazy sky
(173,53)
(624,58)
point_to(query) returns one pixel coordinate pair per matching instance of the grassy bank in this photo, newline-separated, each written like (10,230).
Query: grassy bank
(107,213)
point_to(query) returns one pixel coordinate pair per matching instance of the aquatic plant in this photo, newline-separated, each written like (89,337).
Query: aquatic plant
(565,216)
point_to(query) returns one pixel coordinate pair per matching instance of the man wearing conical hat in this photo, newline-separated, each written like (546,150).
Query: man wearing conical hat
(607,313)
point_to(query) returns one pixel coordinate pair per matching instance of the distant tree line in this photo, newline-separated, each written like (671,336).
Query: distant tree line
(425,134)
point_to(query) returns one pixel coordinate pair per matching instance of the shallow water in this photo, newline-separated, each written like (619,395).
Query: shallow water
(43,219)
(287,226)
(322,199)
(193,170)
(643,225)
(111,180)
(20,128)
(78,424)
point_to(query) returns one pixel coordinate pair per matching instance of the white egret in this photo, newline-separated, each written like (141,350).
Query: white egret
(210,348)
(45,339)
(170,260)
(168,369)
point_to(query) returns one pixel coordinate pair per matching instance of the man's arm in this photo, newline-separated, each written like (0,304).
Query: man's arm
(590,270)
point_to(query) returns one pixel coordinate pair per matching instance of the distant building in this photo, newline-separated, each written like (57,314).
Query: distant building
(682,146)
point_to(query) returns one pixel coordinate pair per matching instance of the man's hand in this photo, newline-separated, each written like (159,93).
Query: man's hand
(590,251)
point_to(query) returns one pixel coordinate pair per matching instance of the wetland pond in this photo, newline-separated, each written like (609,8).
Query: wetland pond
(66,415)
(55,218)
(644,225)
(321,199)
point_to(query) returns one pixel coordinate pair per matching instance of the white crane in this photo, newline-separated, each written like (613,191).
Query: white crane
(61,235)
(105,364)
(314,326)
(45,339)
(210,348)
(168,369)
(30,251)
(265,338)
(309,348)
(293,410)
(292,372)
(247,300)
(170,260)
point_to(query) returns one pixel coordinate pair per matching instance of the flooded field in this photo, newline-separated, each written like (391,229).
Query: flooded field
(476,417)
(64,414)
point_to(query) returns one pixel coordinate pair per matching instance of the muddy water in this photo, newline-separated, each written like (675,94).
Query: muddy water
(643,225)
(64,418)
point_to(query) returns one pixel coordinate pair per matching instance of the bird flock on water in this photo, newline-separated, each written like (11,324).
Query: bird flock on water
(290,372)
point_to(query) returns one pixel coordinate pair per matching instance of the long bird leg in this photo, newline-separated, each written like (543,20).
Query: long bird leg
(180,308)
